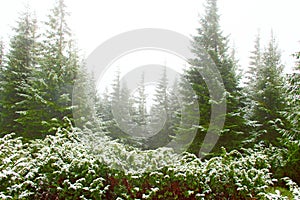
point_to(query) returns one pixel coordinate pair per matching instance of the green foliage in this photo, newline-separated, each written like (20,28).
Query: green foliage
(266,91)
(115,105)
(1,75)
(49,168)
(160,112)
(58,69)
(140,114)
(279,193)
(65,167)
(38,76)
(251,77)
(210,39)
(167,109)
(84,100)
(17,72)
(291,131)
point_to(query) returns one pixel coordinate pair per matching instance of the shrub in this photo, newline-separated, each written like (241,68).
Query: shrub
(70,166)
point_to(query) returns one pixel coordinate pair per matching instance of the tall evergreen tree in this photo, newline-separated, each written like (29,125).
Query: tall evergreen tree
(104,111)
(58,69)
(84,100)
(140,116)
(292,99)
(17,73)
(116,88)
(211,39)
(188,110)
(291,130)
(255,63)
(116,100)
(124,107)
(103,108)
(115,107)
(174,107)
(160,113)
(268,92)
(252,75)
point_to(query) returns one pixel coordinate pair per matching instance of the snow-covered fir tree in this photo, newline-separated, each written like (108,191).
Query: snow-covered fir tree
(268,92)
(210,40)
(17,74)
(59,66)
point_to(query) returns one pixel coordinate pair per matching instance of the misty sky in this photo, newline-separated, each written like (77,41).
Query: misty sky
(94,21)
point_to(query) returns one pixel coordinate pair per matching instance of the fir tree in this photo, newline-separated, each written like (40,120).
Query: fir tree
(174,107)
(103,107)
(255,63)
(115,107)
(140,102)
(268,93)
(59,68)
(185,115)
(18,73)
(124,108)
(292,99)
(252,75)
(84,100)
(291,130)
(210,38)
(117,100)
(116,88)
(160,113)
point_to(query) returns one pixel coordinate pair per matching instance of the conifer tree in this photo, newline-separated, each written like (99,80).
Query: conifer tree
(189,119)
(252,76)
(58,69)
(268,93)
(210,38)
(140,116)
(174,107)
(124,108)
(160,113)
(125,98)
(291,130)
(84,100)
(255,63)
(18,73)
(103,107)
(292,99)
(116,106)
(116,88)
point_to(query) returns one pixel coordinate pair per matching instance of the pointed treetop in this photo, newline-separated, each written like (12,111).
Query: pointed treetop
(210,34)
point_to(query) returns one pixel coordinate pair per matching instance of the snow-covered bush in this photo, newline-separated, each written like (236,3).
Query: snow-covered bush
(124,157)
(85,165)
(230,176)
(58,166)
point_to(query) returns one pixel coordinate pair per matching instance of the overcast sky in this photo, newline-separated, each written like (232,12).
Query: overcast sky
(94,21)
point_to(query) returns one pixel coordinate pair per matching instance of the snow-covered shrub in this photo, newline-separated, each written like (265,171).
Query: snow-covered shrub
(294,188)
(232,175)
(86,165)
(124,157)
(58,166)
(15,169)
(274,196)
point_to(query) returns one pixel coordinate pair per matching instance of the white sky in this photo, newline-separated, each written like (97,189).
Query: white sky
(94,21)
